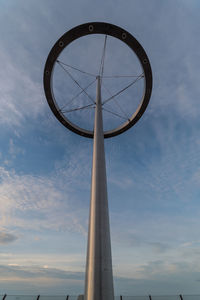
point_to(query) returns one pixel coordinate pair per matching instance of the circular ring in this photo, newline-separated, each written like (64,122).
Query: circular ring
(97,28)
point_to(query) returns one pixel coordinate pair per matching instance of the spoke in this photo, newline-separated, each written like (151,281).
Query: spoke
(121,76)
(130,84)
(116,102)
(78,108)
(77,95)
(76,82)
(103,58)
(74,68)
(115,114)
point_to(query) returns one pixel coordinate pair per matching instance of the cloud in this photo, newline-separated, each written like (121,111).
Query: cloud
(45,202)
(21,96)
(66,259)
(159,278)
(37,272)
(6,237)
(39,280)
(14,150)
(134,239)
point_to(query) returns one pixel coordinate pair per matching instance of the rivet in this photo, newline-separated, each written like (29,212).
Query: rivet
(91,28)
(123,35)
(61,44)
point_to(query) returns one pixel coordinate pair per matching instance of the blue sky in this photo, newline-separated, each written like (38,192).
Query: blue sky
(153,169)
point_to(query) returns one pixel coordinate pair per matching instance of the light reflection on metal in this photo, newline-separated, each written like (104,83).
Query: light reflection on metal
(99,277)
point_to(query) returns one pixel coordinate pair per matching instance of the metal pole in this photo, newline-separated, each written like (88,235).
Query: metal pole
(99,277)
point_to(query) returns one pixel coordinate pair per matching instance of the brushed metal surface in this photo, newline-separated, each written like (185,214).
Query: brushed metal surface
(99,276)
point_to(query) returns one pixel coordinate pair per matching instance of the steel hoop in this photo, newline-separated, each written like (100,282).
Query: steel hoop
(97,28)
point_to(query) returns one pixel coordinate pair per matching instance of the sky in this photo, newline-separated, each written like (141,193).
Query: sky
(153,169)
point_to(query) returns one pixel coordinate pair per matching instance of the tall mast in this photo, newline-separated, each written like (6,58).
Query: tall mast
(99,276)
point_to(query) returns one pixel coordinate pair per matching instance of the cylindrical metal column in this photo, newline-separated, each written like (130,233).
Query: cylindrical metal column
(99,277)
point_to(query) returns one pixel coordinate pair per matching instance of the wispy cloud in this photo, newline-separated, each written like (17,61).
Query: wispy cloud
(12,271)
(47,201)
(21,96)
(6,237)
(40,279)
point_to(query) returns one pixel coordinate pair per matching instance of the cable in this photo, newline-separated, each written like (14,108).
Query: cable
(77,95)
(76,82)
(78,108)
(103,58)
(67,65)
(114,113)
(116,102)
(139,77)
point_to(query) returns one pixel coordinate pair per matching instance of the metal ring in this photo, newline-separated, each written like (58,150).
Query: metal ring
(107,29)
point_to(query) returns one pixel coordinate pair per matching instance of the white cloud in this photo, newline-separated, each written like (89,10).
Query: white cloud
(15,150)
(14,270)
(38,280)
(36,202)
(21,96)
(66,261)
